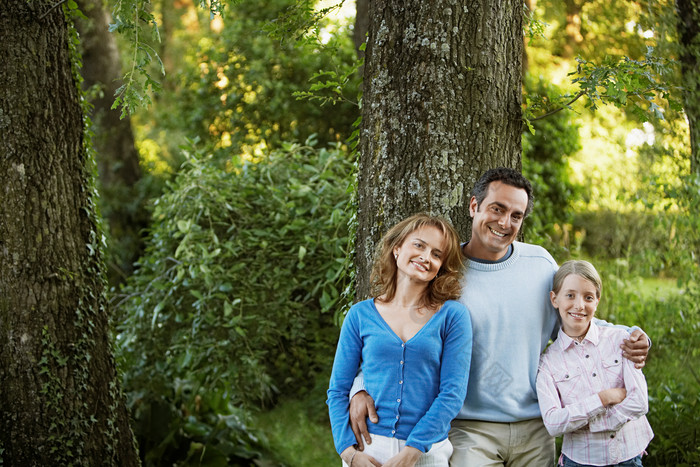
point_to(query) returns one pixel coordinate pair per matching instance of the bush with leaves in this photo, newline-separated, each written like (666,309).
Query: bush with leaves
(645,239)
(234,299)
(672,320)
(545,162)
(236,87)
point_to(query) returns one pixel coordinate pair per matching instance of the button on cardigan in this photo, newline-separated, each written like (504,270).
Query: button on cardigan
(418,386)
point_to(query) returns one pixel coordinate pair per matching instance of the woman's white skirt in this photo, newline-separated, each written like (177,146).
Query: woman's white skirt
(383,448)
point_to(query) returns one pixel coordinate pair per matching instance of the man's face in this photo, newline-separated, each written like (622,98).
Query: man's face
(497,221)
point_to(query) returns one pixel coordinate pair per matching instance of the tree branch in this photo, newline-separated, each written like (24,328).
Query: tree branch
(551,112)
(52,8)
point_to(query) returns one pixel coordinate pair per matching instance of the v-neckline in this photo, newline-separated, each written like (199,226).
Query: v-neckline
(395,334)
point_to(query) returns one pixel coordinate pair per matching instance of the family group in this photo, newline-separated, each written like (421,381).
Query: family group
(481,353)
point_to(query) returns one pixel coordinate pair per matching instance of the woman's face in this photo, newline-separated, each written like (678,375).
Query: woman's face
(576,301)
(421,254)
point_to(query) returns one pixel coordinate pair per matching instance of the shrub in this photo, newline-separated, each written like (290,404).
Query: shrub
(673,322)
(234,298)
(237,86)
(652,242)
(546,164)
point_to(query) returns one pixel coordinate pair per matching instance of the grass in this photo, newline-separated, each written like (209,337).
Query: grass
(659,287)
(299,432)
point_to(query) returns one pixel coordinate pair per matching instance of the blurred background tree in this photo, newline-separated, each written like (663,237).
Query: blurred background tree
(121,180)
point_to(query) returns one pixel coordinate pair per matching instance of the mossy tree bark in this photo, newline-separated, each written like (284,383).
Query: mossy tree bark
(441,104)
(59,386)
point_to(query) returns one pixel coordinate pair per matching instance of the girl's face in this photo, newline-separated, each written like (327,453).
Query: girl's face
(420,256)
(576,301)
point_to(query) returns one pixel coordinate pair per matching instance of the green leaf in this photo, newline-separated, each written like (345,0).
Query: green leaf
(183,226)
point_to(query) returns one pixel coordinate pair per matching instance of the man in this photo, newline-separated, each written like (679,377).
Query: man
(506,289)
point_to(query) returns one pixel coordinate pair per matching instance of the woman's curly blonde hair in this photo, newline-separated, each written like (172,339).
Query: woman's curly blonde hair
(445,286)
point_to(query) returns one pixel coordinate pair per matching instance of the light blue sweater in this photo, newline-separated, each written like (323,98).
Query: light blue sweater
(512,321)
(418,386)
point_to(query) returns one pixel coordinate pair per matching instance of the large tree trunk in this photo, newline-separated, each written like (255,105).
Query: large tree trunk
(441,104)
(689,34)
(59,387)
(117,158)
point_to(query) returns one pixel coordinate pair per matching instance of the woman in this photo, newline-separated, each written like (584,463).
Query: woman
(413,344)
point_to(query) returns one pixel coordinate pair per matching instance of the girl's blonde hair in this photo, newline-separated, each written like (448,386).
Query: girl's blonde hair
(581,268)
(445,286)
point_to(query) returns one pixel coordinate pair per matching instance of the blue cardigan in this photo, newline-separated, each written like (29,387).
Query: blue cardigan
(418,386)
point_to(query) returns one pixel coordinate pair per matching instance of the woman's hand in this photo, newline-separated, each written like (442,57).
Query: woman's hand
(365,460)
(354,458)
(612,396)
(406,458)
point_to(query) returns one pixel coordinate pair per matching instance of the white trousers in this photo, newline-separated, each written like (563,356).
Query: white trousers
(384,448)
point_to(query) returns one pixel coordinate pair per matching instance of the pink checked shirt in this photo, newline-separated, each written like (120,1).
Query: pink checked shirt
(568,382)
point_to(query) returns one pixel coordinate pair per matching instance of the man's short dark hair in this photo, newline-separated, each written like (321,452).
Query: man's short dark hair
(506,176)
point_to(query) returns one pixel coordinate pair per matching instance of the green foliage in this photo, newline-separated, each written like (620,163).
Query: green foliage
(626,83)
(174,428)
(687,229)
(302,26)
(236,88)
(589,27)
(618,47)
(534,27)
(332,88)
(67,435)
(662,239)
(545,162)
(673,413)
(123,239)
(310,442)
(636,86)
(673,322)
(643,239)
(300,21)
(130,18)
(234,299)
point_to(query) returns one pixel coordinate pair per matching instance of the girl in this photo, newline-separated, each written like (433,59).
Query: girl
(586,390)
(413,344)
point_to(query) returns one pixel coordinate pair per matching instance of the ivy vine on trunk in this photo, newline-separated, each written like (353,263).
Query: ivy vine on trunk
(59,384)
